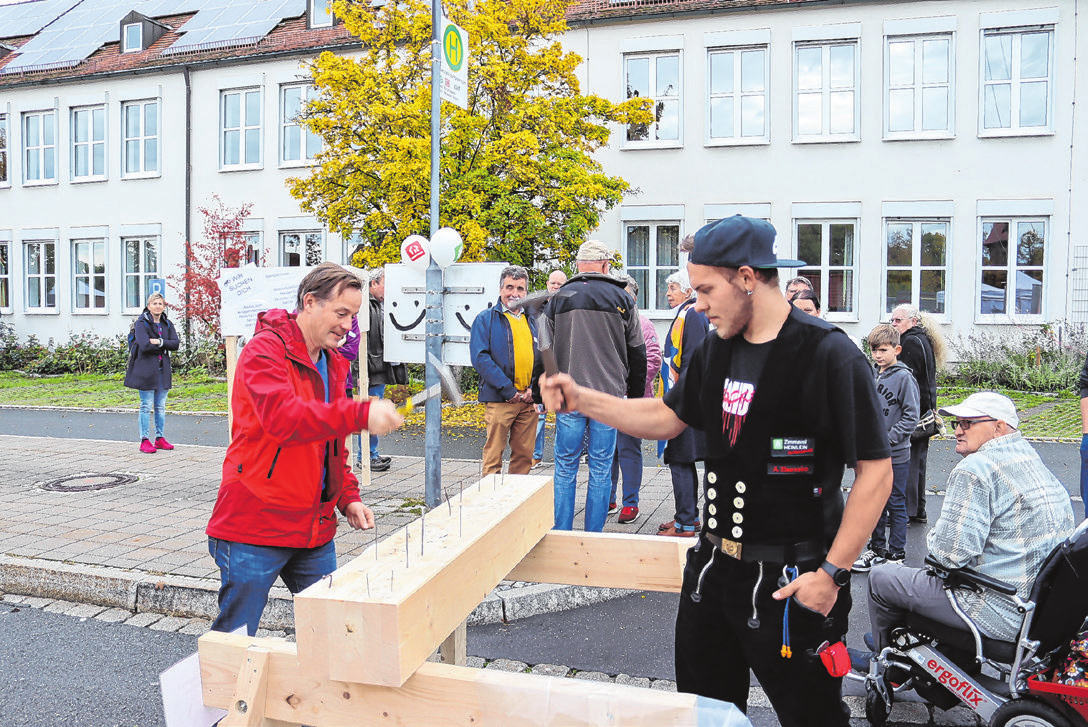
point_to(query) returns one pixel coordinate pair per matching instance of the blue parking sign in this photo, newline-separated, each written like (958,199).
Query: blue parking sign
(157,285)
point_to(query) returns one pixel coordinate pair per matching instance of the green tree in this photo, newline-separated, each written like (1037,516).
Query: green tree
(519,180)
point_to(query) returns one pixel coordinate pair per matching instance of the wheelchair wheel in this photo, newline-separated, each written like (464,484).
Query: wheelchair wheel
(1028,713)
(876,710)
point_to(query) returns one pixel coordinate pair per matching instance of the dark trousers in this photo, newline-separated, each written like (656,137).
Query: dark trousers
(716,646)
(685,492)
(916,478)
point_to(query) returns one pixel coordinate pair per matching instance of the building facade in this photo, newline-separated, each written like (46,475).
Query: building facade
(918,152)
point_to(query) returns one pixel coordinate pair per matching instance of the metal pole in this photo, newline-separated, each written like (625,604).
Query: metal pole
(432,440)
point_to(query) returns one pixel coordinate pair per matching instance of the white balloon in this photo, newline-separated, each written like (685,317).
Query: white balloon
(414,253)
(446,246)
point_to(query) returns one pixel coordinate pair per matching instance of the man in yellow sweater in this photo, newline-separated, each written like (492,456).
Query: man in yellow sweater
(503,349)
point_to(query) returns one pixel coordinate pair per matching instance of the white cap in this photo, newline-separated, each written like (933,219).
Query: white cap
(984,404)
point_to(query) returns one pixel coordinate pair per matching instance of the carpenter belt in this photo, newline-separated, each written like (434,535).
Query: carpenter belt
(808,550)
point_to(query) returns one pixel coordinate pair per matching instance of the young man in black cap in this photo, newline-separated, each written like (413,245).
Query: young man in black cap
(768,580)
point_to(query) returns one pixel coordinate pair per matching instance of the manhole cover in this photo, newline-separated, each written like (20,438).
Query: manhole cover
(83,483)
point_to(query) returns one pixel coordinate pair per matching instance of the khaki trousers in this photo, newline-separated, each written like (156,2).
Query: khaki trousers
(515,423)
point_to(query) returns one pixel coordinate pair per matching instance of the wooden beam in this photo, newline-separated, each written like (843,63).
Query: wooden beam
(454,650)
(445,694)
(375,620)
(611,560)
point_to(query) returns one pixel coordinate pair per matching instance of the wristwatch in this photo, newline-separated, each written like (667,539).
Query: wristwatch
(840,576)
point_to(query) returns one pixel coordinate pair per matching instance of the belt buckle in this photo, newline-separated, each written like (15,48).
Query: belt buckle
(731,548)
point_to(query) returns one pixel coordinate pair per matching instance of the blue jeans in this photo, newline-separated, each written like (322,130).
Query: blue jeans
(152,398)
(628,460)
(894,517)
(378,391)
(247,572)
(1084,473)
(538,450)
(569,431)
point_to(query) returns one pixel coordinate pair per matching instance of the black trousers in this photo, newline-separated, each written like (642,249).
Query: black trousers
(716,644)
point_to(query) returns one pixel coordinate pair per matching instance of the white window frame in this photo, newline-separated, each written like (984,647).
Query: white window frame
(305,237)
(653,267)
(243,129)
(41,151)
(738,95)
(92,250)
(127,46)
(823,270)
(141,140)
(43,276)
(5,151)
(1016,83)
(915,267)
(919,86)
(89,145)
(1011,268)
(287,124)
(5,275)
(825,92)
(652,142)
(141,276)
(321,17)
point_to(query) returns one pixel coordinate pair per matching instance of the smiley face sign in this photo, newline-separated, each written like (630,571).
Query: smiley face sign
(469,289)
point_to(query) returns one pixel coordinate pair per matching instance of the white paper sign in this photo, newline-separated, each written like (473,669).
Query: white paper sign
(405,323)
(182,698)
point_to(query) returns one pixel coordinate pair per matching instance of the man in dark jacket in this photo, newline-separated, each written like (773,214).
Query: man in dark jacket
(286,472)
(380,372)
(597,339)
(503,350)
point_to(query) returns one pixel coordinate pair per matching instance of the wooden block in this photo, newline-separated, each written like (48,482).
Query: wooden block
(246,708)
(445,694)
(454,650)
(612,560)
(375,620)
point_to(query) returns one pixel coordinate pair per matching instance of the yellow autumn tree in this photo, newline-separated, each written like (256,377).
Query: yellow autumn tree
(518,176)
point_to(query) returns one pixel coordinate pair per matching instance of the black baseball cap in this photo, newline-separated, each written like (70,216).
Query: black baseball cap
(736,241)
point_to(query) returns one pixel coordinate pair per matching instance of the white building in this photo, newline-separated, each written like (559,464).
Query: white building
(897,147)
(116,126)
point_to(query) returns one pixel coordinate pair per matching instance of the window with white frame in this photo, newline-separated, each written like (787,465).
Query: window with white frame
(738,83)
(1011,258)
(297,143)
(253,248)
(40,147)
(918,86)
(134,38)
(916,264)
(141,266)
(1017,78)
(650,255)
(321,13)
(829,250)
(655,76)
(40,266)
(89,143)
(826,98)
(301,248)
(89,274)
(4,181)
(240,120)
(5,274)
(140,137)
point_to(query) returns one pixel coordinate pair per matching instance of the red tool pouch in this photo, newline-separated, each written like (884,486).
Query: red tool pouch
(835,658)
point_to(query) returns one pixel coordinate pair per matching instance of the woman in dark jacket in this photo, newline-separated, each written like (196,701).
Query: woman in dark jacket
(149,370)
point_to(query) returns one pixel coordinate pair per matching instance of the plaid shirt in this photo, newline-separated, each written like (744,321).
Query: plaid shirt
(1003,513)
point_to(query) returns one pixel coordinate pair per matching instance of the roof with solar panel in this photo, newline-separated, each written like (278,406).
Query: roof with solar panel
(77,38)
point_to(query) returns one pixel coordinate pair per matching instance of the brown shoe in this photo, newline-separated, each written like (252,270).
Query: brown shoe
(671,524)
(673,532)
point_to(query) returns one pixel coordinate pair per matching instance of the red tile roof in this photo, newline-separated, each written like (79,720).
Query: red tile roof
(588,11)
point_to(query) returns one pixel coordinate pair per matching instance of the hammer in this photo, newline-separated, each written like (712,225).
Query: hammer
(447,385)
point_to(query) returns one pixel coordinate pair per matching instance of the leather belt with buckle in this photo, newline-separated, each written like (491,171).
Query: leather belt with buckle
(809,550)
(730,547)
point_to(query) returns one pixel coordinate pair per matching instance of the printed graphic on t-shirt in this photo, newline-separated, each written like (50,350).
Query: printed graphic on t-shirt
(736,398)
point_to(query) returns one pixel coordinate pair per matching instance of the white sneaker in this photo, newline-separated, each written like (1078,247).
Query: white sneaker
(867,560)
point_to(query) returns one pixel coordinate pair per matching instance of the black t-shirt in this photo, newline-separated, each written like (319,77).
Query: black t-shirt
(848,412)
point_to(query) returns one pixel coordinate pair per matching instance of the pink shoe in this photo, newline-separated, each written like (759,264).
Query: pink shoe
(161,443)
(146,446)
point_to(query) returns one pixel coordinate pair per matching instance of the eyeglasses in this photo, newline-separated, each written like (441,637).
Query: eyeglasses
(966,424)
(898,320)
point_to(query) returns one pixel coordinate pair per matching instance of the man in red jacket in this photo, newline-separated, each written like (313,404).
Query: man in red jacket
(286,470)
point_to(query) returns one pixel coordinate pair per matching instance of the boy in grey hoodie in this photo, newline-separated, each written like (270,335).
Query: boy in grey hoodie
(898,391)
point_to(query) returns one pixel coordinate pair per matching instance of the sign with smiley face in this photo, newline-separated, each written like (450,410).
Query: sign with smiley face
(469,289)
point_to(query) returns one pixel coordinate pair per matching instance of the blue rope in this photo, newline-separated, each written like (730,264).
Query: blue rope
(791,574)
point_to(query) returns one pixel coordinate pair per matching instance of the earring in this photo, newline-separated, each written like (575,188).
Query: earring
(749,292)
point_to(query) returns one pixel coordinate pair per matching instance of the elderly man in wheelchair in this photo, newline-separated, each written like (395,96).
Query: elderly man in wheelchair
(1005,586)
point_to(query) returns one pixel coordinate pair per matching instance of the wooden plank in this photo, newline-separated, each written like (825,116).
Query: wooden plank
(376,619)
(246,708)
(611,560)
(454,650)
(445,694)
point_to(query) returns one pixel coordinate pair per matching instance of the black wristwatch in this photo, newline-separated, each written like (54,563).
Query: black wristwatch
(840,576)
